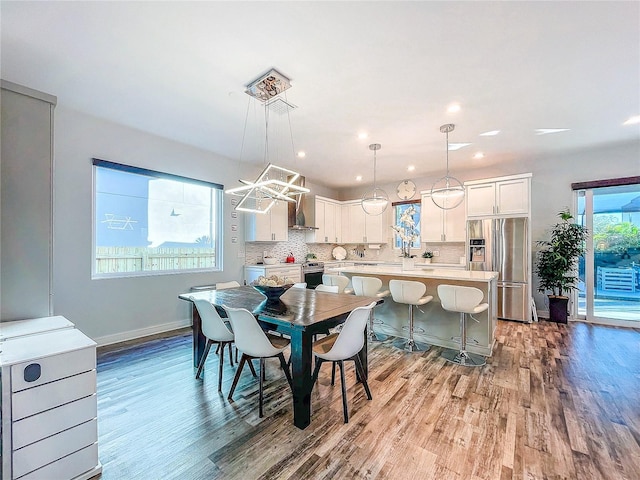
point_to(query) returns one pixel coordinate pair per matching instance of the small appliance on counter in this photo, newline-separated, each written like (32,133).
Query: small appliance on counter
(290,258)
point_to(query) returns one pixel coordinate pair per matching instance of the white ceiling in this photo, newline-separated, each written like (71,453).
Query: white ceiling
(178,69)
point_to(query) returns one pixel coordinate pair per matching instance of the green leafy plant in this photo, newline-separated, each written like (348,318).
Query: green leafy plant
(427,254)
(557,258)
(617,238)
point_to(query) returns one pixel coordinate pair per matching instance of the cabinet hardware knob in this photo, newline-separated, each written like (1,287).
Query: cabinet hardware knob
(32,372)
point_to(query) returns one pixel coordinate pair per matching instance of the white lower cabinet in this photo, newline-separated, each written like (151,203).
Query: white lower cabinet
(291,273)
(49,403)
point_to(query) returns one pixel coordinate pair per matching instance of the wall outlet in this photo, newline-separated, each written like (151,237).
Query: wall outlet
(436,253)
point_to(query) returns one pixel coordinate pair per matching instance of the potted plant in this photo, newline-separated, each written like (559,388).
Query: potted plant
(427,255)
(556,264)
(408,232)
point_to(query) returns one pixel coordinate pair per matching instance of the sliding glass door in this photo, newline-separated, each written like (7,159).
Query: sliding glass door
(609,287)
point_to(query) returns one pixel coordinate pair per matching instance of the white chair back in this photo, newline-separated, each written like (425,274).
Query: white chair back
(299,285)
(455,298)
(213,326)
(366,286)
(328,288)
(249,337)
(406,291)
(351,338)
(340,280)
(225,285)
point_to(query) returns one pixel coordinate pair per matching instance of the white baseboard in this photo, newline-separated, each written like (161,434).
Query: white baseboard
(142,332)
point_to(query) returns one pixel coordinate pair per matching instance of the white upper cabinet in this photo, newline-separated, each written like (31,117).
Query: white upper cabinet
(498,196)
(358,227)
(438,225)
(268,227)
(328,221)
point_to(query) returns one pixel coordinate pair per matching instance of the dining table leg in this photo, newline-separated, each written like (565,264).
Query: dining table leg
(199,340)
(301,359)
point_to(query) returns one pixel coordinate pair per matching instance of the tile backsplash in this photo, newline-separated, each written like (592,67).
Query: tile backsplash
(296,245)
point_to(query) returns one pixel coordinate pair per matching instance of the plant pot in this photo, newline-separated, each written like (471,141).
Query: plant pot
(558,309)
(408,263)
(427,260)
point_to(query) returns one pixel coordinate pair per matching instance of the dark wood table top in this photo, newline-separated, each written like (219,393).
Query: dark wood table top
(299,307)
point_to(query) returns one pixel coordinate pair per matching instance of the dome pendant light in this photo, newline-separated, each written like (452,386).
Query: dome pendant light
(375,202)
(447,192)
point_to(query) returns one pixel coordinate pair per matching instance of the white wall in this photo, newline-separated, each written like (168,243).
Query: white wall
(110,310)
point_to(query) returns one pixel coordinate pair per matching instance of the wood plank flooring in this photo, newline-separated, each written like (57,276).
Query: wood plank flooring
(554,402)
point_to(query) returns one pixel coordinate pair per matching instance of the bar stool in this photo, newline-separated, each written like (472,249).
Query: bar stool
(370,287)
(340,280)
(412,294)
(455,298)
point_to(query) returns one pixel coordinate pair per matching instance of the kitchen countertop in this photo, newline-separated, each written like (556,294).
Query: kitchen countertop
(422,272)
(362,262)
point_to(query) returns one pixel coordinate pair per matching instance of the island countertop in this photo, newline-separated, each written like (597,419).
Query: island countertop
(422,272)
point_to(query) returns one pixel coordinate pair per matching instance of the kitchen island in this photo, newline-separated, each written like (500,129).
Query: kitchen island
(439,325)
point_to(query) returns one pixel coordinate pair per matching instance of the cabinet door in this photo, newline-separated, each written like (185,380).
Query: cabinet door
(431,221)
(251,274)
(374,227)
(280,221)
(258,227)
(481,199)
(321,232)
(512,196)
(455,225)
(357,223)
(346,224)
(330,222)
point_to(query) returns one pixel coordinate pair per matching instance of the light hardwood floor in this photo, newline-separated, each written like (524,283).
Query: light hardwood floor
(554,402)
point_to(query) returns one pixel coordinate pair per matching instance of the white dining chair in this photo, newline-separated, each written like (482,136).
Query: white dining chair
(346,345)
(299,285)
(225,285)
(253,342)
(215,330)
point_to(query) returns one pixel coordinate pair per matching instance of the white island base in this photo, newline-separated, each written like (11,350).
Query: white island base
(439,325)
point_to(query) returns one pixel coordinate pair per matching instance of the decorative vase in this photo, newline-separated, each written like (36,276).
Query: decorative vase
(408,263)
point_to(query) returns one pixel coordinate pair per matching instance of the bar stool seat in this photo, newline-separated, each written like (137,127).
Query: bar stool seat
(464,300)
(340,280)
(413,294)
(370,287)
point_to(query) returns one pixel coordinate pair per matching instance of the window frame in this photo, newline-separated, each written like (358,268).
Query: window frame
(418,203)
(216,218)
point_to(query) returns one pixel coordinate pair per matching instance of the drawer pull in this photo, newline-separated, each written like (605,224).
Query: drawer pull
(32,372)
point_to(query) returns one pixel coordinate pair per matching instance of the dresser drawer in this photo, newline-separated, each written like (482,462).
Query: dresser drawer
(36,427)
(50,449)
(49,369)
(51,395)
(70,466)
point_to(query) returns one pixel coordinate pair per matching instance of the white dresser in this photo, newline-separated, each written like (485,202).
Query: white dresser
(49,403)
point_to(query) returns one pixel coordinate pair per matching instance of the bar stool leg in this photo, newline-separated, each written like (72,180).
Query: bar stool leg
(410,345)
(373,336)
(463,357)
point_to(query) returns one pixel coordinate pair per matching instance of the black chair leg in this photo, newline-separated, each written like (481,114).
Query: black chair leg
(243,359)
(333,373)
(314,378)
(261,384)
(345,411)
(253,370)
(203,359)
(220,365)
(363,379)
(231,354)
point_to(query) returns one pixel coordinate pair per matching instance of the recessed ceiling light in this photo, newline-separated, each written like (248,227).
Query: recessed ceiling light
(411,168)
(491,133)
(457,146)
(301,154)
(547,131)
(632,120)
(359,178)
(363,135)
(478,155)
(454,108)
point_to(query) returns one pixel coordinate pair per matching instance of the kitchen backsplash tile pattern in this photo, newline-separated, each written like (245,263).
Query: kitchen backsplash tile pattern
(296,245)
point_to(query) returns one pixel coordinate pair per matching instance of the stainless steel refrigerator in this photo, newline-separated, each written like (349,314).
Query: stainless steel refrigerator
(502,245)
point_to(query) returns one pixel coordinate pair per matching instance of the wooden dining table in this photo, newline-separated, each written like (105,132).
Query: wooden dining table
(299,314)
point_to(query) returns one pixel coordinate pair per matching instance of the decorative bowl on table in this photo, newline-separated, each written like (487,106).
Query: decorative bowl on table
(273,294)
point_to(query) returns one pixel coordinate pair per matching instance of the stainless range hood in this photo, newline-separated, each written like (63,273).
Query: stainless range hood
(301,215)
